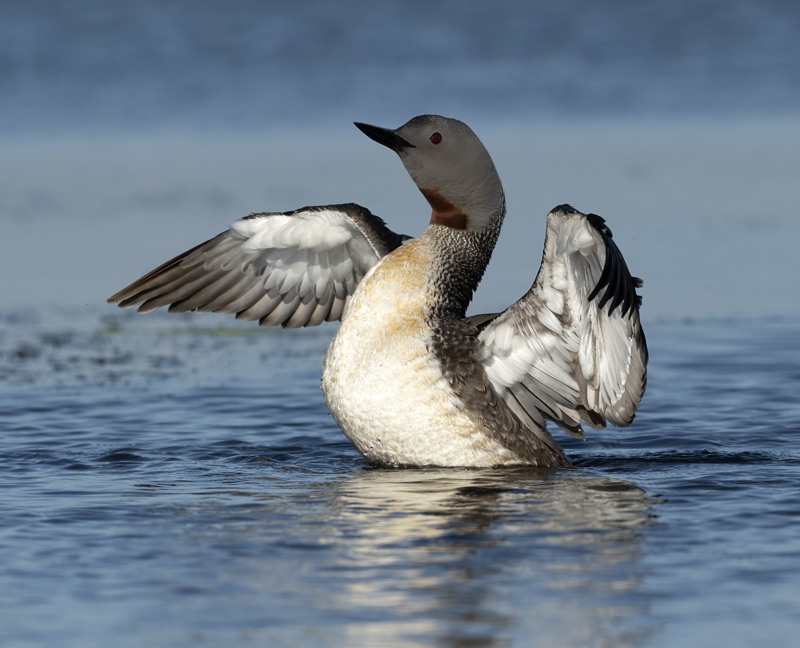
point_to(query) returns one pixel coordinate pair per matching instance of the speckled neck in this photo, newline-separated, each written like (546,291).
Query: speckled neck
(460,259)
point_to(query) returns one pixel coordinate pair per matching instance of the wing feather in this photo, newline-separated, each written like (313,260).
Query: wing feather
(263,306)
(206,295)
(572,349)
(323,309)
(337,308)
(294,268)
(283,310)
(233,299)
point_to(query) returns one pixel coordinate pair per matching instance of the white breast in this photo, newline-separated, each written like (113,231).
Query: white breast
(385,388)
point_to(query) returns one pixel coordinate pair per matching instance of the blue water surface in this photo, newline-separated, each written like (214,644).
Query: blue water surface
(170,482)
(95,65)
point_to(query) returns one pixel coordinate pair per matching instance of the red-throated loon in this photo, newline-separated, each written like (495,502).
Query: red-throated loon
(409,378)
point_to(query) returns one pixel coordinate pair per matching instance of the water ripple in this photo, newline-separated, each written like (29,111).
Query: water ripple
(197,497)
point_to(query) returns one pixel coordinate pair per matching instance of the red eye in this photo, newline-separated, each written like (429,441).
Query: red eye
(436,138)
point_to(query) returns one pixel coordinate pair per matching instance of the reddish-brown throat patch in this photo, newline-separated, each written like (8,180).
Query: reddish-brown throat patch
(444,212)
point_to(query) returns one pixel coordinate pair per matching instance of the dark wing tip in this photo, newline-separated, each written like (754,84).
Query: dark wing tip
(620,286)
(132,295)
(564,209)
(599,223)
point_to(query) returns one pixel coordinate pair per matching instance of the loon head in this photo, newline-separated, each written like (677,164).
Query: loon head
(451,167)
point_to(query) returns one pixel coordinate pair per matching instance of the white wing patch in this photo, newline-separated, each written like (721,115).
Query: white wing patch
(572,349)
(295,268)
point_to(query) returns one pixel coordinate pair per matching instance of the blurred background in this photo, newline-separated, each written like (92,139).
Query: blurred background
(133,131)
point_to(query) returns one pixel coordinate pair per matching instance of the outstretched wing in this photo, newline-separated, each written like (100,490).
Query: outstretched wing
(294,268)
(572,349)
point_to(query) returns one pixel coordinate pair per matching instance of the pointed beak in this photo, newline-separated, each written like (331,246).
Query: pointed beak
(384,136)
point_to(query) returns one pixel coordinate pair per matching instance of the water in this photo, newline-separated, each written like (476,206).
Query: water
(168,482)
(198,63)
(175,481)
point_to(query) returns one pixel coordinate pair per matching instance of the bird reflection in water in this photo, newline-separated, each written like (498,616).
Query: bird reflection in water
(481,558)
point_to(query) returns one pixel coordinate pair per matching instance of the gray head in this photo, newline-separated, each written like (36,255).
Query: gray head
(450,166)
